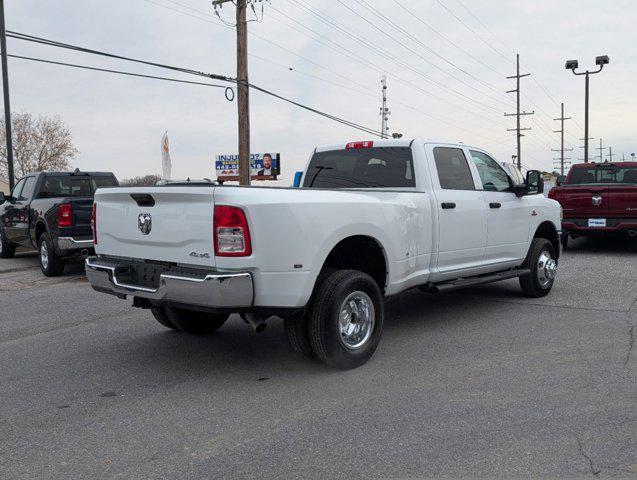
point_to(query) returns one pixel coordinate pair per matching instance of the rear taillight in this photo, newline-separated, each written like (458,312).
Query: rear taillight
(65,215)
(94,223)
(231,233)
(367,144)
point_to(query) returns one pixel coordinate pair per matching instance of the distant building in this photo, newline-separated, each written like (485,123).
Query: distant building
(4,185)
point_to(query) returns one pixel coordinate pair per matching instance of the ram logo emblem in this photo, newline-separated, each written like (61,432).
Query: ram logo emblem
(597,200)
(144,223)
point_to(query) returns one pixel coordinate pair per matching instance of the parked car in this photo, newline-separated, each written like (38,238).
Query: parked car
(51,212)
(598,199)
(371,220)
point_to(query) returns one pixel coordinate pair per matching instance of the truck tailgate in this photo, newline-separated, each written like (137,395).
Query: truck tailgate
(181,224)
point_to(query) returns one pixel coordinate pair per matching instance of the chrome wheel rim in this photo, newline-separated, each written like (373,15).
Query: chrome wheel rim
(356,320)
(546,268)
(44,255)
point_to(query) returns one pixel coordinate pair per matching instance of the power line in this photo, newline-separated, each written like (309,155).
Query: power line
(415,39)
(120,72)
(351,55)
(44,41)
(451,42)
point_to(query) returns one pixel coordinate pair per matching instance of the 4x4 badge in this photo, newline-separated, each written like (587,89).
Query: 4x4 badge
(144,223)
(597,200)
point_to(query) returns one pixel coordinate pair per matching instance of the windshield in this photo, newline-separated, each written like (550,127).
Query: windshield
(74,186)
(604,174)
(377,167)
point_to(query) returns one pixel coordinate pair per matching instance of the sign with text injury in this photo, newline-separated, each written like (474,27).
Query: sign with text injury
(263,166)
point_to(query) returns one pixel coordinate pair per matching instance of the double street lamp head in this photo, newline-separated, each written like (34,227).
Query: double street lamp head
(599,61)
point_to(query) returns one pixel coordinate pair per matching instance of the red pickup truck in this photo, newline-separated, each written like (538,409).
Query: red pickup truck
(598,199)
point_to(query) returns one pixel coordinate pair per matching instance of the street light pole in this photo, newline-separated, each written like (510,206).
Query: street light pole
(572,65)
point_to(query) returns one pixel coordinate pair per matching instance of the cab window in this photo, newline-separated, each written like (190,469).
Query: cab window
(27,190)
(17,190)
(492,175)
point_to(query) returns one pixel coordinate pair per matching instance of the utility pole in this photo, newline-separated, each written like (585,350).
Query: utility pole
(243,89)
(518,129)
(601,151)
(384,111)
(7,104)
(610,154)
(561,132)
(585,140)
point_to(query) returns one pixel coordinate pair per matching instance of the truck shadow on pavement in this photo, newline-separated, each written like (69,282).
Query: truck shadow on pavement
(615,244)
(235,347)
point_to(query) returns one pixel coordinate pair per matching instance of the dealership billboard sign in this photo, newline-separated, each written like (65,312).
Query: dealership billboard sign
(263,166)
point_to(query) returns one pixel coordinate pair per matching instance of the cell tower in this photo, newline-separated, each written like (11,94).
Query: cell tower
(384,111)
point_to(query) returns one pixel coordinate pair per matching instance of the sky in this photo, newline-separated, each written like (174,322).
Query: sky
(445,62)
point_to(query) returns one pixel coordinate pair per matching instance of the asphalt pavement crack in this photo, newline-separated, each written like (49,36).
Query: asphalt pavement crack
(631,343)
(591,465)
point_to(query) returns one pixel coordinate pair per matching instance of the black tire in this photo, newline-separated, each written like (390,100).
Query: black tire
(325,334)
(297,330)
(564,240)
(194,321)
(537,284)
(50,262)
(7,250)
(160,315)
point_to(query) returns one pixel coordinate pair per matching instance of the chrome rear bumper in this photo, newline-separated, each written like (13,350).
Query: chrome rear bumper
(70,243)
(204,288)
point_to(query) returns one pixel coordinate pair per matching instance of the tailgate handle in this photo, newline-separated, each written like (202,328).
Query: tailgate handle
(143,199)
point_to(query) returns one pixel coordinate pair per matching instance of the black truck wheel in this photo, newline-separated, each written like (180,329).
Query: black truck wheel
(50,262)
(346,319)
(541,260)
(194,321)
(297,330)
(160,315)
(7,250)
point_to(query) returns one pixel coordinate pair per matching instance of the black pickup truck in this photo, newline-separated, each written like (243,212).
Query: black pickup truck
(51,211)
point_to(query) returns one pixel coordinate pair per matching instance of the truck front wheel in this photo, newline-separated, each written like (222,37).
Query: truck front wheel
(194,321)
(160,315)
(542,263)
(346,319)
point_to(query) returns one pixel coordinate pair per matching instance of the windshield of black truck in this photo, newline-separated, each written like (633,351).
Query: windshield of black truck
(74,186)
(379,167)
(622,175)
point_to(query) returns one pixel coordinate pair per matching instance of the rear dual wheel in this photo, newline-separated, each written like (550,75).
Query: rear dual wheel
(344,323)
(194,322)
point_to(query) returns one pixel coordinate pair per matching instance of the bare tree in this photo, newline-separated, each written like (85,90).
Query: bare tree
(39,143)
(144,181)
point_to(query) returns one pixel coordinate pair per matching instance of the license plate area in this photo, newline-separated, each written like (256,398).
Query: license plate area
(596,222)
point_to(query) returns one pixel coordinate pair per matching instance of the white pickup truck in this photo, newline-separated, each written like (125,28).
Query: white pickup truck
(370,220)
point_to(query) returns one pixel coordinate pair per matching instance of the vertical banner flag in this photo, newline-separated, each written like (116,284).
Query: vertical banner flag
(166,166)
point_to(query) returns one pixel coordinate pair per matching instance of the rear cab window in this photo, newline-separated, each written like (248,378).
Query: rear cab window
(74,185)
(603,174)
(453,169)
(376,167)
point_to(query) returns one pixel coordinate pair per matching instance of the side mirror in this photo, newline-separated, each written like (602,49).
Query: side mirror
(560,180)
(534,182)
(297,179)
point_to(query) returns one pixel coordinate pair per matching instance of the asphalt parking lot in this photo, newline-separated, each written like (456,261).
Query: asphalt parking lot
(478,383)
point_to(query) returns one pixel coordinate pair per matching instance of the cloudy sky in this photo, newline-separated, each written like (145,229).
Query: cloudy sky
(445,61)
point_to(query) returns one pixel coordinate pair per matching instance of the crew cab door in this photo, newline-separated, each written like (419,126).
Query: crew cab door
(508,217)
(462,214)
(16,216)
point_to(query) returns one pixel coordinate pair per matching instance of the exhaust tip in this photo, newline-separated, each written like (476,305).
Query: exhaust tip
(632,233)
(259,328)
(84,253)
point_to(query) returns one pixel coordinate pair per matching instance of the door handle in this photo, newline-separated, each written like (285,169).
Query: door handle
(495,205)
(448,205)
